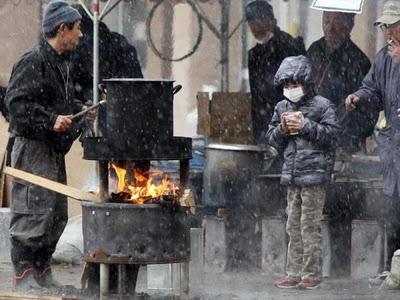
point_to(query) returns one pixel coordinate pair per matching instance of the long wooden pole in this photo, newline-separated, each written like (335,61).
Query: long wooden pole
(51,185)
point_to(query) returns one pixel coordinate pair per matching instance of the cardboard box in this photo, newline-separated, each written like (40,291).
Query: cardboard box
(225,118)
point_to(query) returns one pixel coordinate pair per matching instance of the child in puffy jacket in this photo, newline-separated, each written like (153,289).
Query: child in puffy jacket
(304,128)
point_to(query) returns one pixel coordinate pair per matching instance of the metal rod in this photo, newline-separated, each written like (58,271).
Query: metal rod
(86,110)
(167,38)
(103,180)
(184,280)
(224,41)
(86,9)
(244,60)
(121,280)
(235,29)
(96,8)
(105,8)
(104,281)
(103,15)
(121,18)
(203,16)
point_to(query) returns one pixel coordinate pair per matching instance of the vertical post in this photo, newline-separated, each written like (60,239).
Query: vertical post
(121,17)
(184,280)
(102,166)
(225,8)
(167,45)
(96,9)
(103,179)
(244,83)
(183,173)
(104,281)
(121,280)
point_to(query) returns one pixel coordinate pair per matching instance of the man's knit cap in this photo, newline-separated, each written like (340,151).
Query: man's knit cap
(58,12)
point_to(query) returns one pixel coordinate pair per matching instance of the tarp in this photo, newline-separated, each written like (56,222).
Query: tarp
(349,6)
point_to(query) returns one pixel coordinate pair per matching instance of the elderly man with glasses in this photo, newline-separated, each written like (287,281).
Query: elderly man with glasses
(382,84)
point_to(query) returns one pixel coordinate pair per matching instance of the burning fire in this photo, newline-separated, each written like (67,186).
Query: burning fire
(141,188)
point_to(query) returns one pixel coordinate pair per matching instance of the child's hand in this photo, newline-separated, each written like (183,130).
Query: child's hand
(283,122)
(295,123)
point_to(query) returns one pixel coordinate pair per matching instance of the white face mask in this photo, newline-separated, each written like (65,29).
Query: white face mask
(266,38)
(293,94)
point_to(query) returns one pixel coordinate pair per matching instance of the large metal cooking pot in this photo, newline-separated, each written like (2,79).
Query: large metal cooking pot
(147,234)
(139,111)
(229,175)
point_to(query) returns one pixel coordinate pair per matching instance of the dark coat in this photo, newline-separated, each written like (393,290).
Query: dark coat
(309,156)
(339,73)
(382,85)
(264,61)
(117,58)
(39,90)
(3,107)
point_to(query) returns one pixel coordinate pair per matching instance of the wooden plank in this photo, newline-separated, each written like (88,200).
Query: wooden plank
(203,114)
(12,296)
(371,158)
(52,185)
(187,200)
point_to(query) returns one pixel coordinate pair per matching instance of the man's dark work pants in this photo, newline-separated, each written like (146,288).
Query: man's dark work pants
(38,215)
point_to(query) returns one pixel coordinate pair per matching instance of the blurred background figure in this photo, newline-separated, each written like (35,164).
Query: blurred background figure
(339,67)
(273,45)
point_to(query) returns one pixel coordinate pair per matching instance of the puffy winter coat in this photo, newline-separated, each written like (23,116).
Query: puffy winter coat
(309,156)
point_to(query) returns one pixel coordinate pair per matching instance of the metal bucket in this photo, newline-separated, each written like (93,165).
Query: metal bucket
(229,175)
(140,234)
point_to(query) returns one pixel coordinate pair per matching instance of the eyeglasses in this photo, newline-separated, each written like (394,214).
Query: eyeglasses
(386,27)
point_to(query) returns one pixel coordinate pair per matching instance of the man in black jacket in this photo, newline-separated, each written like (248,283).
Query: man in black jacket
(273,45)
(40,99)
(339,67)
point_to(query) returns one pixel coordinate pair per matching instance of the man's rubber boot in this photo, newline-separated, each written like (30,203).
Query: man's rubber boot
(26,282)
(46,279)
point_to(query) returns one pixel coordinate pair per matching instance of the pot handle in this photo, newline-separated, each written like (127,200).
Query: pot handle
(176,89)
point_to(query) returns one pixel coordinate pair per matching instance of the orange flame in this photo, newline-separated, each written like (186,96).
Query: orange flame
(142,187)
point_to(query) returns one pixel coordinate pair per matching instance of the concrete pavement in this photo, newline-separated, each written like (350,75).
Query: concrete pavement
(227,286)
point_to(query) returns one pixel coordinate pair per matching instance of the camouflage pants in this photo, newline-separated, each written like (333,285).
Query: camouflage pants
(304,257)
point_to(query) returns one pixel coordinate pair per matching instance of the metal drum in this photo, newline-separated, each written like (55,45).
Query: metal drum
(136,234)
(229,175)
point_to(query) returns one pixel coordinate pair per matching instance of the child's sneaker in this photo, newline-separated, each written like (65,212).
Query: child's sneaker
(286,283)
(309,284)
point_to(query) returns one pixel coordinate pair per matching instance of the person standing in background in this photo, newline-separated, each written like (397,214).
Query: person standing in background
(264,59)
